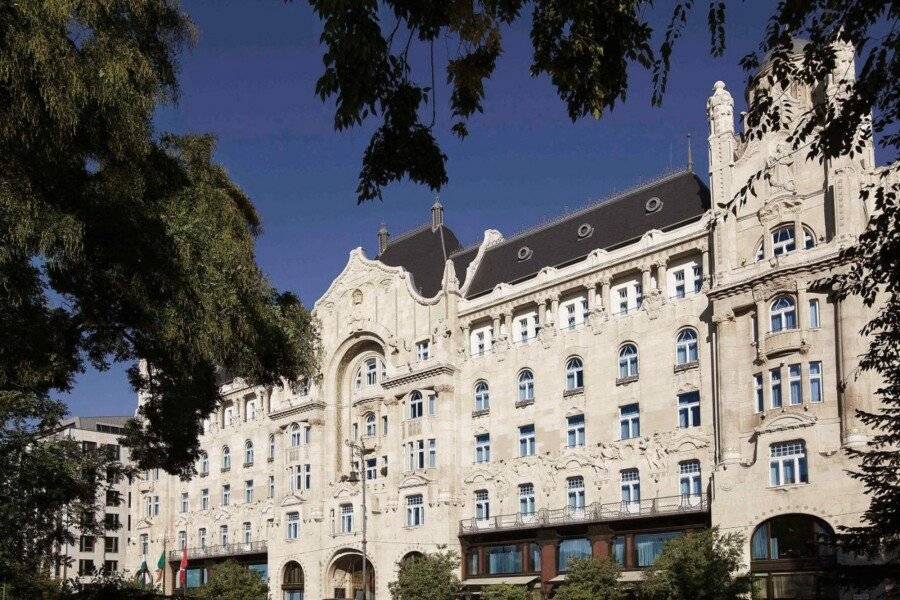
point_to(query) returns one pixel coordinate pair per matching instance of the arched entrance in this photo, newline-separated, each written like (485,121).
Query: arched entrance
(411,556)
(292,582)
(345,578)
(790,556)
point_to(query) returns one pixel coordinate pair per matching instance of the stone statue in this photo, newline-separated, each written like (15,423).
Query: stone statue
(720,110)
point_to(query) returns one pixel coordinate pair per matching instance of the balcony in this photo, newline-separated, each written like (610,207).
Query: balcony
(592,513)
(221,550)
(784,342)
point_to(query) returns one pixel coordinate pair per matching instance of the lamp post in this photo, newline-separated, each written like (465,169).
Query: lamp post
(360,449)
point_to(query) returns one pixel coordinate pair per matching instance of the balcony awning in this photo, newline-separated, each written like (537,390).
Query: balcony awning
(510,579)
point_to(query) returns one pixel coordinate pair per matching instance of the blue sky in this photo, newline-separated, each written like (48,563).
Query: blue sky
(250,80)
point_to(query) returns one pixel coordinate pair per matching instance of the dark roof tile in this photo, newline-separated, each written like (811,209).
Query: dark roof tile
(423,253)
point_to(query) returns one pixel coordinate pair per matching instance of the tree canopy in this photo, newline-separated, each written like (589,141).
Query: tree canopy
(699,565)
(427,577)
(591,579)
(231,580)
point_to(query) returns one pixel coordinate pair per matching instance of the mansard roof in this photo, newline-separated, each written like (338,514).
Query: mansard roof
(608,224)
(423,253)
(96,423)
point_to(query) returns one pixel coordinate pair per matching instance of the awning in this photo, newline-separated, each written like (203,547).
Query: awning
(558,578)
(510,579)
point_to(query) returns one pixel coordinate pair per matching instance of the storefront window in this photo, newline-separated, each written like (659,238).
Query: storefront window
(618,550)
(535,557)
(650,545)
(572,549)
(504,559)
(472,562)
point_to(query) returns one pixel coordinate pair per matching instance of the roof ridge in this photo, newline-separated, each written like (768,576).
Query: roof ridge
(590,205)
(407,234)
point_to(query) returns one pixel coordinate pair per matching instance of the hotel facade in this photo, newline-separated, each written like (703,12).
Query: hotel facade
(651,364)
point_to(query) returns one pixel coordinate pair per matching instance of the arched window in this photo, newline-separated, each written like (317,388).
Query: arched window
(628,361)
(788,555)
(292,582)
(482,396)
(574,373)
(296,435)
(783,240)
(226,457)
(526,386)
(370,372)
(248,453)
(783,313)
(686,347)
(416,405)
(271,446)
(370,424)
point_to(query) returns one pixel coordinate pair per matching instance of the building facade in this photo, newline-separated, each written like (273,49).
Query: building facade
(91,552)
(651,364)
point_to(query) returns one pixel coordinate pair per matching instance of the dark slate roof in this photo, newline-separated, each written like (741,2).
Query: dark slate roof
(616,222)
(461,262)
(423,253)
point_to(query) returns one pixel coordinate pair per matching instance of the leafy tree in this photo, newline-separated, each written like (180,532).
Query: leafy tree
(231,580)
(699,565)
(427,577)
(108,586)
(505,591)
(120,245)
(591,579)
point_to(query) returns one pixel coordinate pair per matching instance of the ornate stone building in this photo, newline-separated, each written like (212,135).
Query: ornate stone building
(650,364)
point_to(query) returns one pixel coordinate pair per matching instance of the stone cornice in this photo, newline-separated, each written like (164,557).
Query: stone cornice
(295,410)
(430,371)
(823,263)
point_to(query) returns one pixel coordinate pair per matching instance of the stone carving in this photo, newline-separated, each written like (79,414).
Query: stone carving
(720,109)
(781,170)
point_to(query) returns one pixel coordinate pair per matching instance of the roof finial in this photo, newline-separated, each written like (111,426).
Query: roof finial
(437,213)
(383,237)
(690,165)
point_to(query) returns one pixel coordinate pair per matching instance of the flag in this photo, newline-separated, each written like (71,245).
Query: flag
(142,572)
(161,566)
(182,568)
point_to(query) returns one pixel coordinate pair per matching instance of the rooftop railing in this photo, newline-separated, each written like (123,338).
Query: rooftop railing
(218,550)
(591,513)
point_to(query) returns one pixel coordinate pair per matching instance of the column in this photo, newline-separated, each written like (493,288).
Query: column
(495,333)
(466,339)
(554,309)
(588,298)
(601,540)
(802,308)
(853,387)
(761,327)
(548,561)
(645,280)
(798,232)
(604,294)
(704,264)
(508,317)
(629,551)
(728,394)
(661,281)
(767,241)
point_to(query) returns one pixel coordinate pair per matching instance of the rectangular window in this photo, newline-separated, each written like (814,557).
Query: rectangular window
(526,327)
(758,392)
(575,431)
(346,518)
(111,521)
(184,502)
(575,493)
(629,422)
(527,443)
(182,540)
(111,544)
(110,566)
(432,454)
(86,566)
(86,543)
(271,486)
(226,495)
(795,384)
(814,314)
(371,469)
(679,283)
(483,448)
(248,491)
(248,533)
(631,487)
(689,410)
(384,425)
(204,499)
(526,499)
(432,405)
(415,511)
(482,505)
(815,381)
(423,350)
(787,464)
(223,535)
(689,478)
(145,544)
(697,273)
(293,526)
(649,546)
(201,537)
(155,506)
(775,384)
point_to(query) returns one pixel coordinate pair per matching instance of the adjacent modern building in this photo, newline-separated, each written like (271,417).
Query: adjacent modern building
(662,360)
(91,552)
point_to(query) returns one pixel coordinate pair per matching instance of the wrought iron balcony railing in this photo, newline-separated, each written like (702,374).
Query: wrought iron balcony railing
(236,549)
(591,513)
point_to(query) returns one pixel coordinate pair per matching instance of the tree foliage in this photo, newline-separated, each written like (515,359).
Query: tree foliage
(699,565)
(427,577)
(591,579)
(505,591)
(231,580)
(120,245)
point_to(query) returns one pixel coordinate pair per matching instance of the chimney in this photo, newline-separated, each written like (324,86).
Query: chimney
(383,237)
(437,214)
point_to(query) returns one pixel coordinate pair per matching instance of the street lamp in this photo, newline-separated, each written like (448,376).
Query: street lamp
(362,451)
